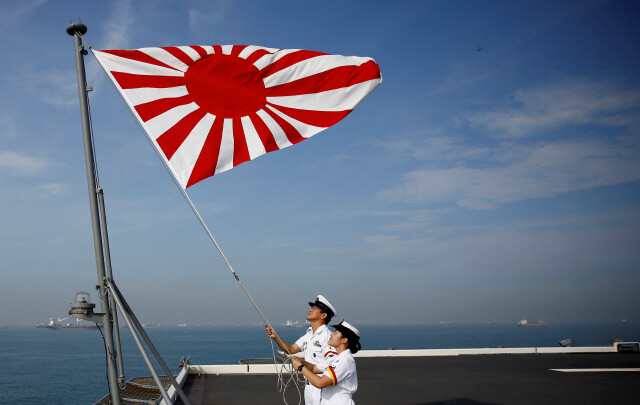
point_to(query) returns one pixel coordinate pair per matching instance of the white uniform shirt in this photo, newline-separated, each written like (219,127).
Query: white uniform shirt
(344,380)
(316,351)
(316,346)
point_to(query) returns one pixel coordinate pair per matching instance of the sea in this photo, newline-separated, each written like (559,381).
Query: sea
(42,366)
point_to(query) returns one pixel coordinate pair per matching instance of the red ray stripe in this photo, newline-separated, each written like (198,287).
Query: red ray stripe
(179,54)
(200,50)
(154,108)
(217,49)
(132,81)
(139,56)
(257,55)
(336,78)
(322,119)
(288,60)
(264,133)
(292,134)
(240,149)
(171,140)
(208,159)
(235,51)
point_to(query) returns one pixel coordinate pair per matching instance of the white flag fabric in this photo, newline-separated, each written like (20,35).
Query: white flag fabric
(210,108)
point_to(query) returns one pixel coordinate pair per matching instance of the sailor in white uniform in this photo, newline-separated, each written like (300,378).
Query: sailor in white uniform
(314,343)
(339,380)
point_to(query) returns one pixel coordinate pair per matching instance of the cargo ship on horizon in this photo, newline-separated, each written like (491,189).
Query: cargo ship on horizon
(56,325)
(524,322)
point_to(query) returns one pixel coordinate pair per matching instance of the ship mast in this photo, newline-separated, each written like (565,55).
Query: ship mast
(76,30)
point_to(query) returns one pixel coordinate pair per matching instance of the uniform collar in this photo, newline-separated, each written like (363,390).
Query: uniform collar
(320,329)
(345,353)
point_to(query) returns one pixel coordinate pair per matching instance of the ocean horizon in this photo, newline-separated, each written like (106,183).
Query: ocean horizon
(42,366)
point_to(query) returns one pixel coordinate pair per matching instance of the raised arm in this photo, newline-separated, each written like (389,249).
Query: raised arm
(284,346)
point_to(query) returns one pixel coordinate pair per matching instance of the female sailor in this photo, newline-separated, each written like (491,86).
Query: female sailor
(339,381)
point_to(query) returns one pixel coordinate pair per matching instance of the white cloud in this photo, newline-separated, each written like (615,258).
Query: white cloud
(460,75)
(116,33)
(58,88)
(545,170)
(15,14)
(559,103)
(118,25)
(207,13)
(275,243)
(434,145)
(334,250)
(8,127)
(19,164)
(516,169)
(538,247)
(50,189)
(409,220)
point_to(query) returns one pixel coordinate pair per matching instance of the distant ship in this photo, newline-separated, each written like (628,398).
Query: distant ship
(524,322)
(53,325)
(294,324)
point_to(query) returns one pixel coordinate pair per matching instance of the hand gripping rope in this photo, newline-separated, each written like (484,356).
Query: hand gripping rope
(294,377)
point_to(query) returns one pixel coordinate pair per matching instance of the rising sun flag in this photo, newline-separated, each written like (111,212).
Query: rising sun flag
(209,108)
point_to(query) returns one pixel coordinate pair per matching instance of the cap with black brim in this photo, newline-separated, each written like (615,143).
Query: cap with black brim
(351,333)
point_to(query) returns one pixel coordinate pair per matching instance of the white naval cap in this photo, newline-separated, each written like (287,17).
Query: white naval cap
(324,304)
(350,332)
(346,325)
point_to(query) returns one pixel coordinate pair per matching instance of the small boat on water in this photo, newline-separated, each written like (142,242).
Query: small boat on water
(294,324)
(524,322)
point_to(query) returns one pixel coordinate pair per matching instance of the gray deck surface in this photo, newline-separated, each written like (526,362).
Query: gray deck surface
(466,380)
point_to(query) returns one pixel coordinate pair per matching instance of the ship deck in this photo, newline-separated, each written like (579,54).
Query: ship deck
(520,377)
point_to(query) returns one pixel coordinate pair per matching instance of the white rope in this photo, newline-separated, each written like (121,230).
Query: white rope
(294,377)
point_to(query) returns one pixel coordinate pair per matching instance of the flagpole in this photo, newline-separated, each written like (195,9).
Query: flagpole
(76,30)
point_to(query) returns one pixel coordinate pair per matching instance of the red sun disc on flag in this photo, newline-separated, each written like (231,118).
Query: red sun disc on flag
(226,86)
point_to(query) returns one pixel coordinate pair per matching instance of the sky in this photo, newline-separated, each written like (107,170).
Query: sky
(494,175)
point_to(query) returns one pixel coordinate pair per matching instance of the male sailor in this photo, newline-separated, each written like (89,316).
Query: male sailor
(313,343)
(339,380)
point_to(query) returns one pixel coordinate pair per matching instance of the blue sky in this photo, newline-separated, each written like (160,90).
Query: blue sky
(493,175)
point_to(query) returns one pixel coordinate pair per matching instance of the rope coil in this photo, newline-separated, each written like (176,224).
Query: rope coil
(294,377)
